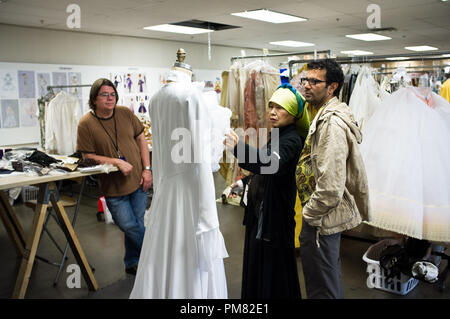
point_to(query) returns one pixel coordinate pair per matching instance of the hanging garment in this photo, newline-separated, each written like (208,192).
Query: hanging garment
(406,151)
(183,249)
(224,93)
(61,120)
(271,80)
(234,101)
(365,98)
(256,98)
(249,103)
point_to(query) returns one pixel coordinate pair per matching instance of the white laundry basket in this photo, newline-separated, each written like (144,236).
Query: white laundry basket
(29,193)
(401,284)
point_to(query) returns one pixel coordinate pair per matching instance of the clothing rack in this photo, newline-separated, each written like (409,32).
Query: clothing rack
(420,67)
(424,56)
(51,87)
(276,55)
(50,94)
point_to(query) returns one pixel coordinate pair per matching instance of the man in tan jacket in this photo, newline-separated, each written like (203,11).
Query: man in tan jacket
(331,181)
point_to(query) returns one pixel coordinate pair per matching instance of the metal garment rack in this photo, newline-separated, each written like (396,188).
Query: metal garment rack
(51,87)
(424,56)
(277,55)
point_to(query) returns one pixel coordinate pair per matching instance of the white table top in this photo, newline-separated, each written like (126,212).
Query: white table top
(11,181)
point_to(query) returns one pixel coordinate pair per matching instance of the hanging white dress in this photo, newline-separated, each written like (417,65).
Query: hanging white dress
(183,249)
(406,151)
(366,97)
(61,122)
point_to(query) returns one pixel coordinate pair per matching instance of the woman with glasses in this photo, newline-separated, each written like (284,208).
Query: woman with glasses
(111,134)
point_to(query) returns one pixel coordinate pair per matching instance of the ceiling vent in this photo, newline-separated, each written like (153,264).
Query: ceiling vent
(205,25)
(383,29)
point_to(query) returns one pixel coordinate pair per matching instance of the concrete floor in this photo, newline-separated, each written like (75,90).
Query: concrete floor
(103,246)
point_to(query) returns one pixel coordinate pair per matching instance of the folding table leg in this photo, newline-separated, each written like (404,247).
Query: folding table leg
(74,243)
(74,219)
(12,225)
(32,243)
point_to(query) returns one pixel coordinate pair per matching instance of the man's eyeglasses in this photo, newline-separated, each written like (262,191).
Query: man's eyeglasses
(311,81)
(106,94)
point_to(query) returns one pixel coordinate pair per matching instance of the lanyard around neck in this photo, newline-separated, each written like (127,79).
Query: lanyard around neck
(116,143)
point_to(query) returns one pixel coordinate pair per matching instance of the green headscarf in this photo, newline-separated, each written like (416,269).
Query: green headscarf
(292,101)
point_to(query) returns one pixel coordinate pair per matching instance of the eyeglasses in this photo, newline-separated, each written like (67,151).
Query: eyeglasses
(311,81)
(106,94)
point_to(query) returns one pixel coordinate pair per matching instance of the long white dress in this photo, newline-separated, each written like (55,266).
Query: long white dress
(183,248)
(406,151)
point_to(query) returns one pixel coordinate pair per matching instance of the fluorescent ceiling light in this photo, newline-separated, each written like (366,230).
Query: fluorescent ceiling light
(368,37)
(269,16)
(177,29)
(295,44)
(421,48)
(397,58)
(446,55)
(357,52)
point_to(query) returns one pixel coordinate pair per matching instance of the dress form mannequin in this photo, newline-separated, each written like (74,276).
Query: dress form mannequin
(183,250)
(179,65)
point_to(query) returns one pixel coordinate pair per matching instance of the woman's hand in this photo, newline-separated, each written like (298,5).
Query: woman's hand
(236,188)
(146,179)
(231,140)
(124,167)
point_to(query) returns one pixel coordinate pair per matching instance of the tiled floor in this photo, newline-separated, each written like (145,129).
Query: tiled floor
(103,246)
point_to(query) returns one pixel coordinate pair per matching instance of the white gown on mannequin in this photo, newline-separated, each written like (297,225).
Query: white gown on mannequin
(183,248)
(406,151)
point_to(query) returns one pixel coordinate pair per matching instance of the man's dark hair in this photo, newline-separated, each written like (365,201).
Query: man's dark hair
(95,88)
(333,72)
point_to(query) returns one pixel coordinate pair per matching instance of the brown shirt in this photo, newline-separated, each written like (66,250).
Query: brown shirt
(98,136)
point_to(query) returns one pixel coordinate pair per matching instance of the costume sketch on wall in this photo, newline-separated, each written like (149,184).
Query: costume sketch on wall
(118,79)
(142,83)
(27,87)
(10,113)
(75,79)
(8,84)
(28,112)
(42,81)
(129,88)
(129,101)
(58,79)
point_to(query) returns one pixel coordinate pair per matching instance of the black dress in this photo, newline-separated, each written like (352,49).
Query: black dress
(270,266)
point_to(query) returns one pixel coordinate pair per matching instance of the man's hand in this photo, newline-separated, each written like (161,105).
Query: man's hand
(231,140)
(146,180)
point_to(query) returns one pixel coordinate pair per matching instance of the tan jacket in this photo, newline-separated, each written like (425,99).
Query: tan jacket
(340,200)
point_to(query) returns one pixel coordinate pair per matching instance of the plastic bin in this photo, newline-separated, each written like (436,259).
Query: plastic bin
(400,284)
(29,193)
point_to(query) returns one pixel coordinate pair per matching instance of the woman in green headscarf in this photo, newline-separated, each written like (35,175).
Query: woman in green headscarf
(270,267)
(291,101)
